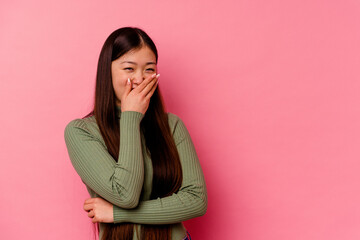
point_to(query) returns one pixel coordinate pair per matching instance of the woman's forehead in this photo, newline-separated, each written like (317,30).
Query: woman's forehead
(143,55)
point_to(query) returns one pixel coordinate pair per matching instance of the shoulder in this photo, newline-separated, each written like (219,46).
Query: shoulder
(75,123)
(177,127)
(82,126)
(80,123)
(174,120)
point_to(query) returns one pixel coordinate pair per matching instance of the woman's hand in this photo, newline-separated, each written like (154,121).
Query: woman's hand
(99,210)
(138,99)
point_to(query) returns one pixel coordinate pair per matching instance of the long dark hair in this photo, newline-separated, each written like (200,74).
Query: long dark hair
(167,173)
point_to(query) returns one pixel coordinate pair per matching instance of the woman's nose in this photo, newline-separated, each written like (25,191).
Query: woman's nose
(138,78)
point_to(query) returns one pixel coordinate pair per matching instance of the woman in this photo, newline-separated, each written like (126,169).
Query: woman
(137,161)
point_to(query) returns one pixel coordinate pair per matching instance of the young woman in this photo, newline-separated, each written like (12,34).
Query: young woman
(137,161)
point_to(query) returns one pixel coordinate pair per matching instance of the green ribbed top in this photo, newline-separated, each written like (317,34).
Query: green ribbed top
(127,183)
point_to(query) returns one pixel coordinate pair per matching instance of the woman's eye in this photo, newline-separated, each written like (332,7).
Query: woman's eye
(150,69)
(129,68)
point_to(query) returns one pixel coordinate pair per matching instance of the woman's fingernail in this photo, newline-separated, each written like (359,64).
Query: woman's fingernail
(153,75)
(128,81)
(158,75)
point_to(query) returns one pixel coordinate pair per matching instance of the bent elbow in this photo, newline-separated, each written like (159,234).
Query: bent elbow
(125,198)
(203,207)
(130,201)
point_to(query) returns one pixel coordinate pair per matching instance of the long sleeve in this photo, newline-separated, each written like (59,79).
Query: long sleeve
(189,202)
(118,182)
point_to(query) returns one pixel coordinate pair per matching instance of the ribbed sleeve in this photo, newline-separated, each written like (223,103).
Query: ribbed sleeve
(189,202)
(119,183)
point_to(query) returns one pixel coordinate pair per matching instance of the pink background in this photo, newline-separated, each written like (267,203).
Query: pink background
(269,91)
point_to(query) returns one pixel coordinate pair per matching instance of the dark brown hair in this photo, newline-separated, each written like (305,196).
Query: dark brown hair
(167,173)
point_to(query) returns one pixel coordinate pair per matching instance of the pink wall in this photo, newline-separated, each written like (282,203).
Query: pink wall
(269,91)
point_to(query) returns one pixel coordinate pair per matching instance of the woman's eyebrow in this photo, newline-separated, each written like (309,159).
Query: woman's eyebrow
(136,63)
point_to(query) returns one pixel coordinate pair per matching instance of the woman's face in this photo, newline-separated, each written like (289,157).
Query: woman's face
(136,64)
